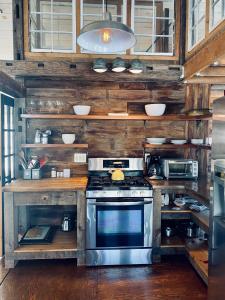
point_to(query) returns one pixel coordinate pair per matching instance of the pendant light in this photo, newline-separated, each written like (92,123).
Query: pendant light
(106,36)
(118,65)
(136,66)
(99,65)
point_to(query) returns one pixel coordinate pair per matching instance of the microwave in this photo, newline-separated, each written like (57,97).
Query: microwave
(180,168)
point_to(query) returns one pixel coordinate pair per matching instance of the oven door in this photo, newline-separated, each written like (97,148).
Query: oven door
(119,223)
(180,169)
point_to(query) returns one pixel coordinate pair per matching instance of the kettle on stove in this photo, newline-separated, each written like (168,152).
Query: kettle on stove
(154,167)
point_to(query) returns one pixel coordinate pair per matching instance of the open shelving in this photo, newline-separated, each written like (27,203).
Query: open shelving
(64,245)
(173,146)
(55,146)
(144,117)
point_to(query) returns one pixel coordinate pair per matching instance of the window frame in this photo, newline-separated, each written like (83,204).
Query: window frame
(7,100)
(196,26)
(212,5)
(154,18)
(73,32)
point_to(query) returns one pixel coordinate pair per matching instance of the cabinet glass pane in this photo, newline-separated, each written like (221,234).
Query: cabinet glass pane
(6,143)
(40,6)
(62,41)
(163,44)
(62,23)
(143,26)
(164,27)
(144,44)
(217,12)
(11,118)
(64,7)
(41,40)
(6,116)
(164,8)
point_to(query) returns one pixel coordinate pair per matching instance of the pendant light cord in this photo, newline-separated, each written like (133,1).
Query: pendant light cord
(106,6)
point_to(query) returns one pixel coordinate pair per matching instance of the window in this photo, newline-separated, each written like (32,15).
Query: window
(217,12)
(7,135)
(196,22)
(153,25)
(52,25)
(93,11)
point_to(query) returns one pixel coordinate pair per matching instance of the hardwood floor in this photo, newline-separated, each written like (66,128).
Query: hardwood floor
(173,279)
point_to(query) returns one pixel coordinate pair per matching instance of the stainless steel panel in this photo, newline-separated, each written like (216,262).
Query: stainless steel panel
(119,194)
(121,203)
(91,222)
(118,257)
(96,164)
(218,129)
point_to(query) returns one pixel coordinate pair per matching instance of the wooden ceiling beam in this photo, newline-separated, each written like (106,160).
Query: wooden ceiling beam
(206,79)
(214,71)
(212,51)
(10,87)
(83,71)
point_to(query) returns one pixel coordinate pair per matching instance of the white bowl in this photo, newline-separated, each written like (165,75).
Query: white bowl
(156,141)
(197,141)
(81,110)
(68,138)
(178,142)
(155,109)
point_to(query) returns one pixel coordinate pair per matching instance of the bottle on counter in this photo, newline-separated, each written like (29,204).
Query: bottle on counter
(37,138)
(44,139)
(53,172)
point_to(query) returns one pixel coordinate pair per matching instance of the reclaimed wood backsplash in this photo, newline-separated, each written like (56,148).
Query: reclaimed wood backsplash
(105,138)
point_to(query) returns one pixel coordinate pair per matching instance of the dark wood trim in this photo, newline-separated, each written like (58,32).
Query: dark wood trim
(10,86)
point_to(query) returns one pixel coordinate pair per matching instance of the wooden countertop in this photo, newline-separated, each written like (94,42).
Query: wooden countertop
(48,185)
(200,190)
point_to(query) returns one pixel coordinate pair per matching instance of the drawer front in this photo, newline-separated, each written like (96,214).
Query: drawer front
(46,198)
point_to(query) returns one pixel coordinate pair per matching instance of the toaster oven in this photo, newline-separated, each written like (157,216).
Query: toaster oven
(180,168)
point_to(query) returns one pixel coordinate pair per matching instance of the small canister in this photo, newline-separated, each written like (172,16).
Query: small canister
(27,174)
(36,173)
(44,138)
(53,173)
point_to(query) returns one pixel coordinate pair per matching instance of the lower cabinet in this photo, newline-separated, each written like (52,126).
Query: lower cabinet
(25,210)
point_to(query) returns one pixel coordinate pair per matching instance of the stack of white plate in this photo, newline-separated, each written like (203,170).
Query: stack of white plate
(178,142)
(197,141)
(156,141)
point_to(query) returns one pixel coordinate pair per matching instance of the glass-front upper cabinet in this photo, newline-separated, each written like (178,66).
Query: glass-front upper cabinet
(52,25)
(154,26)
(196,24)
(91,11)
(217,12)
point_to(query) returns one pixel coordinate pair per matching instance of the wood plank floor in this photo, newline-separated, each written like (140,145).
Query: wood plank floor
(173,279)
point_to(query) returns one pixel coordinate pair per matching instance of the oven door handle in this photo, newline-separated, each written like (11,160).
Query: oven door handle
(121,203)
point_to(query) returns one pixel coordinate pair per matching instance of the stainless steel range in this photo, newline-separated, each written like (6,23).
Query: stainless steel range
(119,213)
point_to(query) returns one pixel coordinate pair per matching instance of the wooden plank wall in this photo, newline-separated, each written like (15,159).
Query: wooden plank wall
(105,138)
(198,96)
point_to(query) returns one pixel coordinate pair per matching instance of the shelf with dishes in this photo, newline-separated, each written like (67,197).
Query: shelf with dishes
(64,244)
(144,117)
(55,146)
(164,143)
(197,253)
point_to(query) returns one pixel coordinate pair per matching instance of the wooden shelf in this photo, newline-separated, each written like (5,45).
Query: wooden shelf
(56,146)
(198,257)
(167,213)
(171,117)
(173,146)
(201,219)
(64,245)
(173,241)
(78,183)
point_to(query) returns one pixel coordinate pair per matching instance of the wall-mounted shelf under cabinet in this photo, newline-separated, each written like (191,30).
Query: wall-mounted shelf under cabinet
(56,146)
(171,117)
(173,146)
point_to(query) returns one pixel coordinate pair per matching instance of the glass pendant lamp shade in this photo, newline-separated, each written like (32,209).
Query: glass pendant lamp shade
(136,66)
(118,65)
(99,65)
(106,36)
